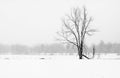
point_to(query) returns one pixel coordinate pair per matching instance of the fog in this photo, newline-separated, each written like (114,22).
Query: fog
(32,22)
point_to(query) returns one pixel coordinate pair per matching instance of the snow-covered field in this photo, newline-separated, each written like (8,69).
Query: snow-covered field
(54,57)
(34,66)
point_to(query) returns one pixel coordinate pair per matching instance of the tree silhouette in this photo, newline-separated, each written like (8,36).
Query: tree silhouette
(75,28)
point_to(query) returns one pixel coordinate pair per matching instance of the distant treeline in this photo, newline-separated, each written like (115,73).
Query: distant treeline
(57,48)
(38,49)
(108,48)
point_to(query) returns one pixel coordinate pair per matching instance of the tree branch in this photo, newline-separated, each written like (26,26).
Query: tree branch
(85,56)
(66,39)
(70,30)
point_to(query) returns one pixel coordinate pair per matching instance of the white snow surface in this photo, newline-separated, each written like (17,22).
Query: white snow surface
(31,66)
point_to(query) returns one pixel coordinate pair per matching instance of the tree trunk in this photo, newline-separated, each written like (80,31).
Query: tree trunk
(80,52)
(80,56)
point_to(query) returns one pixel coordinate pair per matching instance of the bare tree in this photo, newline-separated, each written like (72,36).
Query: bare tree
(75,28)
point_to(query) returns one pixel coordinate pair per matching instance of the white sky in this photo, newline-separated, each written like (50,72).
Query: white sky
(32,22)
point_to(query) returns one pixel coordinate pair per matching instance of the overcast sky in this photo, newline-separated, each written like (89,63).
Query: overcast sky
(32,22)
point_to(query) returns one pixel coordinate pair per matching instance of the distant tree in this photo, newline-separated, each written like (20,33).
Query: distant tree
(101,47)
(94,51)
(19,49)
(75,28)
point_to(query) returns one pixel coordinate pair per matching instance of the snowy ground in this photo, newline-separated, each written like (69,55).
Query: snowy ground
(33,66)
(54,57)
